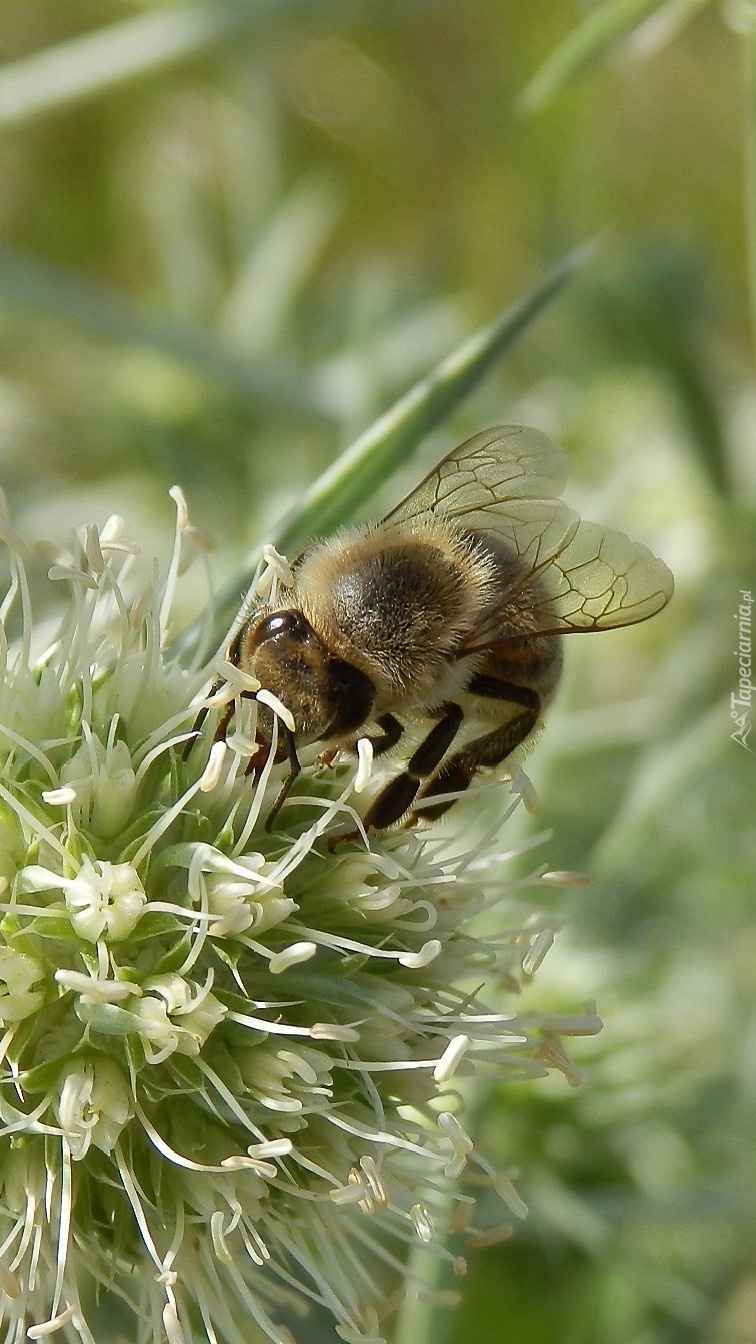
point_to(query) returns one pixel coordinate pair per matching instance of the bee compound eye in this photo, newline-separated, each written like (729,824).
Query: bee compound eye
(282,623)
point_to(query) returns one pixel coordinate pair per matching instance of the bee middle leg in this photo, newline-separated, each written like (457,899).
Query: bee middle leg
(400,792)
(490,749)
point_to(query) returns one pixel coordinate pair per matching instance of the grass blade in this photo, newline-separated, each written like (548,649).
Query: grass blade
(79,69)
(388,443)
(598,30)
(84,66)
(662,27)
(91,306)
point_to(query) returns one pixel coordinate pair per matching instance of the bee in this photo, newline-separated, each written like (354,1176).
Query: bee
(449,612)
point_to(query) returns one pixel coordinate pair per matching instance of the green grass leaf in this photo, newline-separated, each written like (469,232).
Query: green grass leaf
(75,298)
(367,464)
(664,26)
(73,71)
(85,66)
(391,440)
(585,44)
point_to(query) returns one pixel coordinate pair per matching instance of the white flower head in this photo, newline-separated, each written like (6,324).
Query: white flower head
(232,1061)
(105,900)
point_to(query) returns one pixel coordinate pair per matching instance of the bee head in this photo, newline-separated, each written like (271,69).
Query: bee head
(327,697)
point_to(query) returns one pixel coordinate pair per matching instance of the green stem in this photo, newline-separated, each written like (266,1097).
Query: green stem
(420,1320)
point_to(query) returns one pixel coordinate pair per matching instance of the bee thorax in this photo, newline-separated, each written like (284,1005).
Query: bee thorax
(396,605)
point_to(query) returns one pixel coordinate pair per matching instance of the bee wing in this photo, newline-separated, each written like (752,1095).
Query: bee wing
(571,575)
(478,481)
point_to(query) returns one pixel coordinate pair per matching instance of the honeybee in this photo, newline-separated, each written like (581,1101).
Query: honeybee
(451,612)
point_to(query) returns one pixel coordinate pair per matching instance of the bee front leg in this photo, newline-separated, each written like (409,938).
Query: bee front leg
(399,794)
(384,741)
(221,731)
(295,769)
(392,730)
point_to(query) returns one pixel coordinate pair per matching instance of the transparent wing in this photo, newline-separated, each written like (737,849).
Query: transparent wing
(477,481)
(568,575)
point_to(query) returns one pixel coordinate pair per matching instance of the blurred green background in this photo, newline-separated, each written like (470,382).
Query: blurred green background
(230,236)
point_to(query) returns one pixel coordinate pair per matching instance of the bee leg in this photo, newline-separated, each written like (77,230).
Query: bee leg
(295,768)
(392,731)
(491,749)
(400,792)
(257,761)
(220,732)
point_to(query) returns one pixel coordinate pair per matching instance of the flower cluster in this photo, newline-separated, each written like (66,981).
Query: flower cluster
(229,1058)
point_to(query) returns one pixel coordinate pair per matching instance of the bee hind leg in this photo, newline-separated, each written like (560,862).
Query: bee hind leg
(458,772)
(400,792)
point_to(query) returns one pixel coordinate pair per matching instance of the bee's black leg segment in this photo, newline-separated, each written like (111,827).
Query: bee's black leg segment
(295,768)
(433,748)
(392,802)
(392,731)
(196,726)
(399,794)
(493,688)
(491,749)
(221,731)
(200,719)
